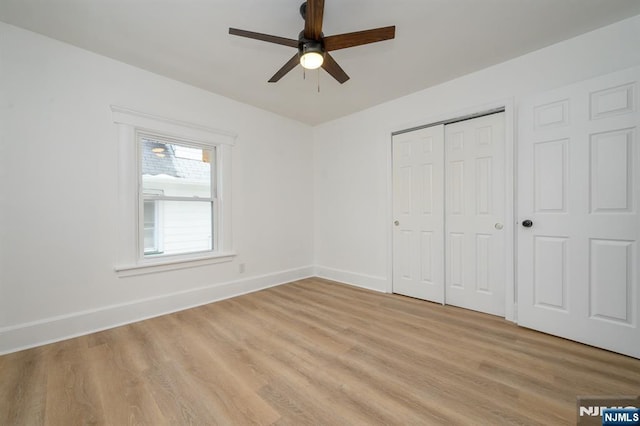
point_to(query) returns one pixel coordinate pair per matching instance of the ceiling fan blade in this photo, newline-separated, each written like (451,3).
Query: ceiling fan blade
(331,66)
(264,37)
(358,38)
(291,64)
(313,19)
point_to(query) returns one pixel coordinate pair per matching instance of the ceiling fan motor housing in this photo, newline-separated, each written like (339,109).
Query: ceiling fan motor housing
(309,46)
(303,10)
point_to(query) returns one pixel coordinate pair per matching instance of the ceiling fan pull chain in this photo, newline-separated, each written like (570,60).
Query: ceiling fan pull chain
(304,73)
(318,80)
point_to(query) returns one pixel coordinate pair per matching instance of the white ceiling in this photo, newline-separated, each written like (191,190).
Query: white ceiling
(436,40)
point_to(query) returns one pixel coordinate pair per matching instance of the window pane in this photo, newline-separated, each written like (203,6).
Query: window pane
(176,170)
(185,227)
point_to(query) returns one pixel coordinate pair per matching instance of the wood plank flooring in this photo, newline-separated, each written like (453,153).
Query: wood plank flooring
(311,352)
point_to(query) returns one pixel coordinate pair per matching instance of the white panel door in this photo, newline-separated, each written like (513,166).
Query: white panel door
(418,260)
(579,186)
(474,214)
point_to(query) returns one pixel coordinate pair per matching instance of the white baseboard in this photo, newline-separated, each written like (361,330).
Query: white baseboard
(368,282)
(49,330)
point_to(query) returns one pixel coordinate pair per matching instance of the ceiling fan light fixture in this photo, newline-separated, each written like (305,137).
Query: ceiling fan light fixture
(311,55)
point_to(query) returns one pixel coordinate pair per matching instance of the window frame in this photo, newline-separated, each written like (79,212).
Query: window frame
(159,198)
(131,124)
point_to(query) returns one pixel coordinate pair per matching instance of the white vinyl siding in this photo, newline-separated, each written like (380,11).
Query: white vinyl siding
(187,227)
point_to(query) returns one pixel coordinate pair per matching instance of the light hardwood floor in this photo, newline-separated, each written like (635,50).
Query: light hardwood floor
(311,352)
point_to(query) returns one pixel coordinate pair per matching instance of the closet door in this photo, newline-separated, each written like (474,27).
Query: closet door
(418,193)
(475,207)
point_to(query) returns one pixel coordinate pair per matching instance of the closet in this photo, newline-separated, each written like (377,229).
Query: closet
(448,213)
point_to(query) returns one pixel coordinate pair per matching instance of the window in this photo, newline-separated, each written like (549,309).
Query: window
(174,182)
(178,184)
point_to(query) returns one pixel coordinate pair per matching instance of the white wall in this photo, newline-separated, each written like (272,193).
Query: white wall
(351,155)
(59,193)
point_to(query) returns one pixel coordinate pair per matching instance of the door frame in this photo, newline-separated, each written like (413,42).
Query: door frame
(506,105)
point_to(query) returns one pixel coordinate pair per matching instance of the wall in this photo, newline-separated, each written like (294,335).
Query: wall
(59,167)
(352,226)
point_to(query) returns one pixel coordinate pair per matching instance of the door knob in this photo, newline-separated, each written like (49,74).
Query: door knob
(527,223)
(396,223)
(498,226)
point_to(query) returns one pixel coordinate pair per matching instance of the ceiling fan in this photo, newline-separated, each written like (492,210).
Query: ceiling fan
(313,47)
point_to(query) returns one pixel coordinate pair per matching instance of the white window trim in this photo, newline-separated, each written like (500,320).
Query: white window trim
(130,123)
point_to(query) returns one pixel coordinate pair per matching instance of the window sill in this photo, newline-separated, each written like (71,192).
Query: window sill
(172,264)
